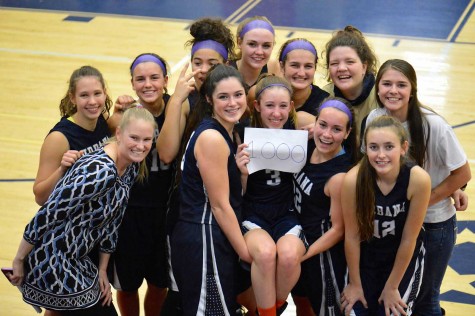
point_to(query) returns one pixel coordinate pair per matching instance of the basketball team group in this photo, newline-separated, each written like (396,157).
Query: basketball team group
(156,187)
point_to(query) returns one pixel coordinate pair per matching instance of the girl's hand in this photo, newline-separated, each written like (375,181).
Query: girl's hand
(185,83)
(242,159)
(69,158)
(105,287)
(391,298)
(460,200)
(18,272)
(309,128)
(123,103)
(351,294)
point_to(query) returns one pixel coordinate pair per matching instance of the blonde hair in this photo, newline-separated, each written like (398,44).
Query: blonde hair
(138,113)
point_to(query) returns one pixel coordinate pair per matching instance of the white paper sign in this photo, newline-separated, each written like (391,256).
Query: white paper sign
(276,149)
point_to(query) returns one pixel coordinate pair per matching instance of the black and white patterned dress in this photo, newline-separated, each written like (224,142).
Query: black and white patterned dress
(85,209)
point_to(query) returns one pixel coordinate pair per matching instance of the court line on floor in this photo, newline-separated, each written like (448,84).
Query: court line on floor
(67,55)
(462,21)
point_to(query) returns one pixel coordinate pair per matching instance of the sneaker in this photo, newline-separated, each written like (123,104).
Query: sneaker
(443,311)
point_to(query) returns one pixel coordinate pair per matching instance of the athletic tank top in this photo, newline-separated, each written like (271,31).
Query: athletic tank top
(194,204)
(80,138)
(233,63)
(390,216)
(314,100)
(310,200)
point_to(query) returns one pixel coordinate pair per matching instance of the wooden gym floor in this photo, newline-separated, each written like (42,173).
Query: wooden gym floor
(40,46)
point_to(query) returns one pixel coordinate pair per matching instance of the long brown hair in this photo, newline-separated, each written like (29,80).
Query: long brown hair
(366,178)
(418,125)
(203,108)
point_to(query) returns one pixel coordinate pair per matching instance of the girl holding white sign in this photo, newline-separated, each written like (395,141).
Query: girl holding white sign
(317,200)
(272,232)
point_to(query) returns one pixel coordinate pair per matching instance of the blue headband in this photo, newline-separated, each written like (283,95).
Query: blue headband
(256,24)
(337,105)
(273,85)
(298,44)
(210,44)
(148,57)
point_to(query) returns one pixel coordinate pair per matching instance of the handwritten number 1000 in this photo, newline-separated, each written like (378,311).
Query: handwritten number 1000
(282,151)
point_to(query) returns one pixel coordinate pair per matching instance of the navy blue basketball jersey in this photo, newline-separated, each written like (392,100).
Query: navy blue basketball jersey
(314,100)
(310,200)
(193,99)
(153,191)
(268,194)
(83,139)
(264,70)
(390,216)
(194,204)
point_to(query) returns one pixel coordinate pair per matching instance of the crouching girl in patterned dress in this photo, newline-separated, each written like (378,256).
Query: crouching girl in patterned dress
(85,209)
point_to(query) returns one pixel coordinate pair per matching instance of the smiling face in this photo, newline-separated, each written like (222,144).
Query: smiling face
(384,150)
(274,106)
(149,82)
(299,68)
(256,47)
(394,92)
(347,71)
(330,131)
(228,101)
(204,59)
(135,140)
(89,98)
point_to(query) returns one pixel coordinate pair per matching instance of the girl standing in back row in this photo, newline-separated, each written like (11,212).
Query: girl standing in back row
(352,66)
(141,251)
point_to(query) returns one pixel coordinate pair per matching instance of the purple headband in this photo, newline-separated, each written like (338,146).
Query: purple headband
(273,85)
(210,44)
(298,44)
(148,57)
(337,105)
(256,24)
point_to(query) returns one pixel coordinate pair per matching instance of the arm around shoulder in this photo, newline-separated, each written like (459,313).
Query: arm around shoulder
(50,169)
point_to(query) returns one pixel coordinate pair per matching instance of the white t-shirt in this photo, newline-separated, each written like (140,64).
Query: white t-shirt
(444,154)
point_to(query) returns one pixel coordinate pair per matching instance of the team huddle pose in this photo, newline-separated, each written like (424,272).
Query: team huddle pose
(160,189)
